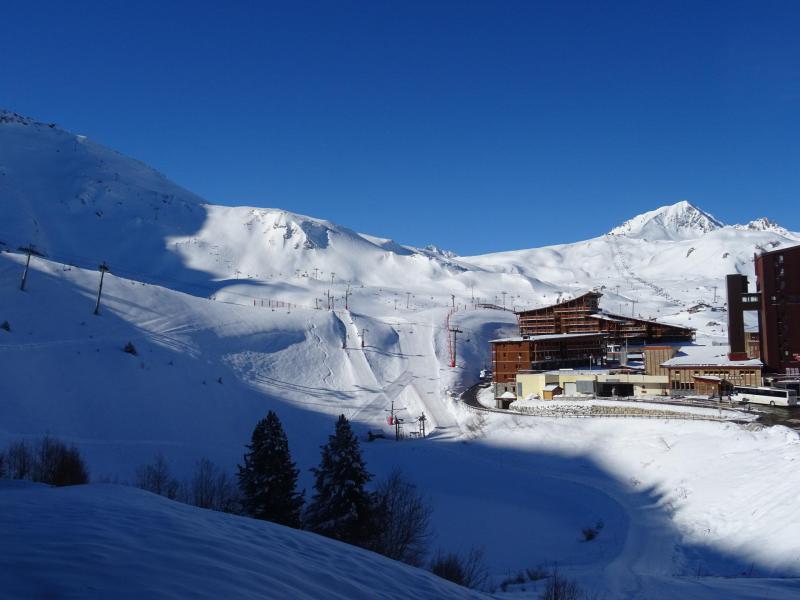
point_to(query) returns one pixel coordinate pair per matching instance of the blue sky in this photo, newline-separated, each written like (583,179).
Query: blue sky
(476,126)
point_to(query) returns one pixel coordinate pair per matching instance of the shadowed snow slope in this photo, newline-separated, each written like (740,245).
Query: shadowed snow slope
(107,541)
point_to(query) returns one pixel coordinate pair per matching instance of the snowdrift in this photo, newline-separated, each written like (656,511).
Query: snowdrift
(107,541)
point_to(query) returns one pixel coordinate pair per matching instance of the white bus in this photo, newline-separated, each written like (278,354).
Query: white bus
(764,395)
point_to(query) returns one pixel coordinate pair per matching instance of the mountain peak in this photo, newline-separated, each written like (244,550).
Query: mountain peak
(678,221)
(9,116)
(764,224)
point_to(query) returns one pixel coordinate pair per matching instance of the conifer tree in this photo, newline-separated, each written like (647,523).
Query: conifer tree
(341,508)
(268,478)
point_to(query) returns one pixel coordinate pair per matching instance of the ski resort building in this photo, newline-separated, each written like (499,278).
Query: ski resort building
(583,315)
(778,286)
(596,382)
(777,302)
(709,371)
(542,352)
(574,334)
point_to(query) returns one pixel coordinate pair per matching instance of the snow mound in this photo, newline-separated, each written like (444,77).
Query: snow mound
(108,541)
(679,221)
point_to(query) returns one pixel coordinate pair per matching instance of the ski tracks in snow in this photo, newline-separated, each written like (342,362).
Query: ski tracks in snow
(325,356)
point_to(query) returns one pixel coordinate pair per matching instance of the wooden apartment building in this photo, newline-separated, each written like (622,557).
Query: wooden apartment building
(542,352)
(583,315)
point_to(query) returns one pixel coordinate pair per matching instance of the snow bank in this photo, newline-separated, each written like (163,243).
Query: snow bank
(106,541)
(596,407)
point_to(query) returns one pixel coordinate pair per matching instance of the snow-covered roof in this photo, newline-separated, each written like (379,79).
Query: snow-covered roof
(707,356)
(621,319)
(508,395)
(605,317)
(541,338)
(551,387)
(562,301)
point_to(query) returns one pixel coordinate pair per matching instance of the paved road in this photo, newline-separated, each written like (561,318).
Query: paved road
(470,396)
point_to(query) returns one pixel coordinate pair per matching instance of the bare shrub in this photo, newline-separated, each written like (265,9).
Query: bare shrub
(559,588)
(48,461)
(227,499)
(70,468)
(130,349)
(203,487)
(20,460)
(212,488)
(156,477)
(517,579)
(469,571)
(403,520)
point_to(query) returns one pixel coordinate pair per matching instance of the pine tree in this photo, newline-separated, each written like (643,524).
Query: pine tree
(341,507)
(268,479)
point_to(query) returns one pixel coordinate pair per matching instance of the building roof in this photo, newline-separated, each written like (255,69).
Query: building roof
(578,372)
(793,248)
(551,387)
(549,336)
(508,395)
(606,316)
(707,356)
(563,302)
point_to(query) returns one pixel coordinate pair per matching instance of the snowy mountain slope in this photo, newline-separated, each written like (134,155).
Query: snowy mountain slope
(73,197)
(207,370)
(126,543)
(656,276)
(80,203)
(265,244)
